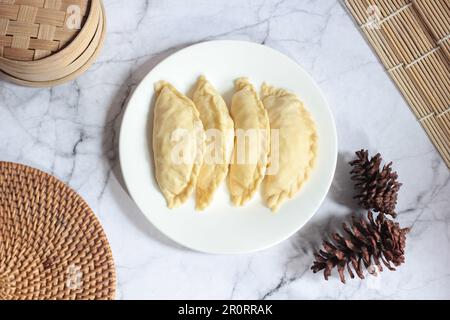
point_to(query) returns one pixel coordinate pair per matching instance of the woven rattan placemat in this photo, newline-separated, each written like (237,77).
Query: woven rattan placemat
(51,244)
(412,40)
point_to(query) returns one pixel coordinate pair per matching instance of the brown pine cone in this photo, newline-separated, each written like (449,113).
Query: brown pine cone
(366,243)
(377,188)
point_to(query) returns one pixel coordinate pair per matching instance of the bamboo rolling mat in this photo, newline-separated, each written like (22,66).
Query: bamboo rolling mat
(412,40)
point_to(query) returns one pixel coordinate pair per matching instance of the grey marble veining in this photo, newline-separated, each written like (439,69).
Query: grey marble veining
(71,131)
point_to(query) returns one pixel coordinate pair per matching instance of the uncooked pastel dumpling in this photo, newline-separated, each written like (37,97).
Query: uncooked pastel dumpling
(219,128)
(178,144)
(292,161)
(252,143)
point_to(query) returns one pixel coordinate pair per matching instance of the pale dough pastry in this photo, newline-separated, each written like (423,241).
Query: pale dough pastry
(174,116)
(250,155)
(219,129)
(297,146)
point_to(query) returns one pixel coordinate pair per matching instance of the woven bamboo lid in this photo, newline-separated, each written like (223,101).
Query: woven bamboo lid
(51,244)
(34,29)
(47,42)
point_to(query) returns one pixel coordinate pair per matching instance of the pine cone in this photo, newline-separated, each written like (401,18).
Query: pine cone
(377,189)
(367,243)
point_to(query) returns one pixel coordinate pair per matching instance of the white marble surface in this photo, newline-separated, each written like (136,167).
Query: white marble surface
(72,132)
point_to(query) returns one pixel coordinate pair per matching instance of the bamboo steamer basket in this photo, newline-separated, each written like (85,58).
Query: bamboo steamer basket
(412,40)
(27,27)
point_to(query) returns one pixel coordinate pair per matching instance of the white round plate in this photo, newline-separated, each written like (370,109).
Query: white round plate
(222,228)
